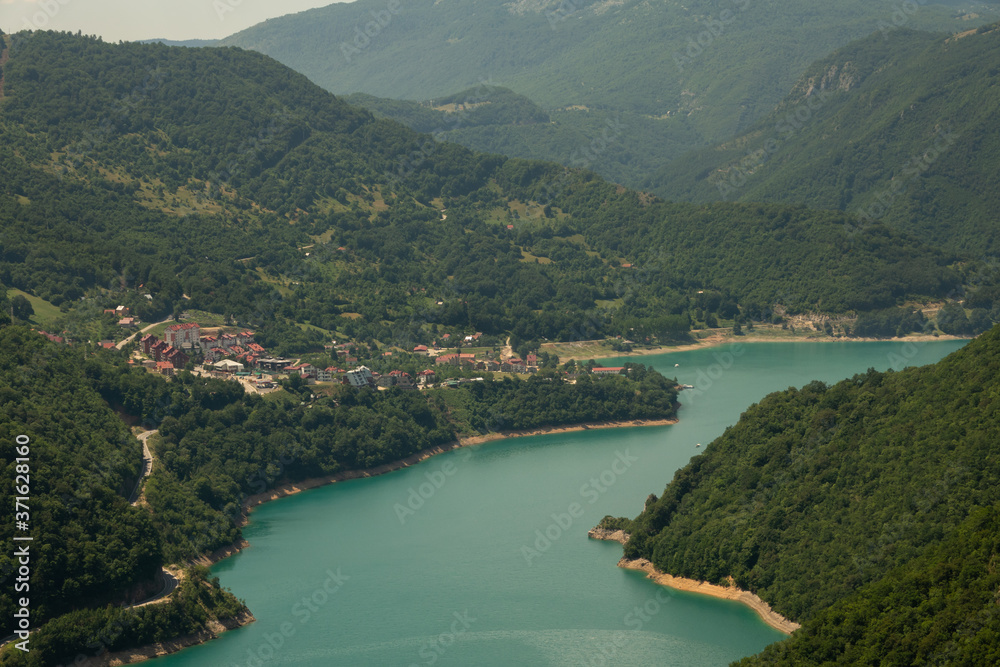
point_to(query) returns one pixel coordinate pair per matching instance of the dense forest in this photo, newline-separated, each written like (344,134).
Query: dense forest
(849,508)
(216,179)
(897,128)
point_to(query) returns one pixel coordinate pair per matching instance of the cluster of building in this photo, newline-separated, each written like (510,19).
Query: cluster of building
(513,365)
(362,376)
(181,341)
(163,354)
(124,315)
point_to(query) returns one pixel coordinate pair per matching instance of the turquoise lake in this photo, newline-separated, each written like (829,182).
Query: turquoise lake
(341,575)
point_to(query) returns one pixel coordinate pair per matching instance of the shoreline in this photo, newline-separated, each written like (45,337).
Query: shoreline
(160,649)
(718,339)
(292,488)
(763,609)
(215,628)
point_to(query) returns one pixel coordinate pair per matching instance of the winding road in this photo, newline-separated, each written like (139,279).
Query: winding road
(147,466)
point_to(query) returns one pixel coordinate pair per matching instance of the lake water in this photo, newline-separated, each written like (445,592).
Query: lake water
(494,566)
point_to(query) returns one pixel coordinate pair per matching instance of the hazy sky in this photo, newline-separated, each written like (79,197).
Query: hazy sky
(131,20)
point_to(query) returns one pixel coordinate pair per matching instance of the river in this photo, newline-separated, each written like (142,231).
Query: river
(480,556)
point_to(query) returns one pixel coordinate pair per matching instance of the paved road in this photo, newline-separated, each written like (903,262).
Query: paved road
(143,330)
(170,582)
(147,465)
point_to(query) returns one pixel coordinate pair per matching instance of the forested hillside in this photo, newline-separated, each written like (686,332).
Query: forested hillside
(677,75)
(818,496)
(899,129)
(220,175)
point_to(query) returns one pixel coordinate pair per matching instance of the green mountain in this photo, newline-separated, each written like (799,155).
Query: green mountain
(853,508)
(216,179)
(899,129)
(677,75)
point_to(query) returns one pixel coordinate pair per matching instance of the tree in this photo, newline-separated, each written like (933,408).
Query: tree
(737,329)
(21,307)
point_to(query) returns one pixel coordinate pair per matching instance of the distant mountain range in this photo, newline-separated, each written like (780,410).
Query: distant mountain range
(678,76)
(900,129)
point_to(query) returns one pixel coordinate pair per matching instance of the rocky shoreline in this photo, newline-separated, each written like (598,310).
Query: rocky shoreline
(731,592)
(214,629)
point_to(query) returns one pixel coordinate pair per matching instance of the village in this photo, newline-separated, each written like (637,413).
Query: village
(237,356)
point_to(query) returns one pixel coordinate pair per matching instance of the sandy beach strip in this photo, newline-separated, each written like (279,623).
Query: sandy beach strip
(763,609)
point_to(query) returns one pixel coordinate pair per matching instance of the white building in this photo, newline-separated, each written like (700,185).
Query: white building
(360,377)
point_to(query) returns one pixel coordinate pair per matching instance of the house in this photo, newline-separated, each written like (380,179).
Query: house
(532,359)
(421,350)
(52,337)
(158,349)
(107,344)
(149,365)
(146,342)
(360,377)
(227,341)
(164,368)
(602,370)
(324,375)
(426,377)
(127,322)
(182,335)
(305,370)
(208,342)
(122,311)
(109,311)
(443,359)
(214,354)
(513,365)
(176,357)
(397,379)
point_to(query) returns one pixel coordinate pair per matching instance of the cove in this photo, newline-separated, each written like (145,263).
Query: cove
(494,566)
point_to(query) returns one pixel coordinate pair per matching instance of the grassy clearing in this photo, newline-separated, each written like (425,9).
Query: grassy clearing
(45,313)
